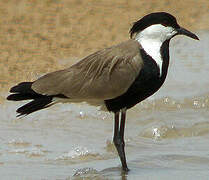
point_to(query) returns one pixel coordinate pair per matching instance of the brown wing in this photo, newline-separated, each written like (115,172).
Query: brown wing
(105,74)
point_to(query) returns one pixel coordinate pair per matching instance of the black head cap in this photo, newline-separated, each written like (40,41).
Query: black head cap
(163,18)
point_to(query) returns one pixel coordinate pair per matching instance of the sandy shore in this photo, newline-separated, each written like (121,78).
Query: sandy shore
(45,35)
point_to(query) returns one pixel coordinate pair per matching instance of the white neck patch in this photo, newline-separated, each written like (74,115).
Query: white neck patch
(152,38)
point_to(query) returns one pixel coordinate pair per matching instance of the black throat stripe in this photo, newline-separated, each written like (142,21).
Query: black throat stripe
(147,82)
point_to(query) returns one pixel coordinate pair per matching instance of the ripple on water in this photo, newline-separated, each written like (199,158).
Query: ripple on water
(159,132)
(87,173)
(170,103)
(19,142)
(78,154)
(29,152)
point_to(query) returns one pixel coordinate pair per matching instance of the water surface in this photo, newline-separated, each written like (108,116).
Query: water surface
(167,136)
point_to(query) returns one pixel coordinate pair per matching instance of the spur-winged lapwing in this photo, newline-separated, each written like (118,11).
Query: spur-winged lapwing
(116,78)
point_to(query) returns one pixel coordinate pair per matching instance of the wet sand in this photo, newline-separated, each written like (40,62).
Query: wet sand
(167,136)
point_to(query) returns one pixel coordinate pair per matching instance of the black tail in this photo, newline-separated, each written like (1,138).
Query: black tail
(23,91)
(35,105)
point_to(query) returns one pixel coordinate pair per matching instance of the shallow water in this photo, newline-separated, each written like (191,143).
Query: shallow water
(167,136)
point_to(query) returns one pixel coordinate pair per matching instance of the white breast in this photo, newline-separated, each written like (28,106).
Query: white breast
(152,38)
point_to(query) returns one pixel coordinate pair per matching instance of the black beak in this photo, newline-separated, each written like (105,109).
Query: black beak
(187,33)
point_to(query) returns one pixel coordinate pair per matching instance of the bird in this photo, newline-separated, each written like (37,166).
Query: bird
(115,78)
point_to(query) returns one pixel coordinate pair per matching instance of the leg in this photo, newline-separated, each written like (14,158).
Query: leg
(118,138)
(116,130)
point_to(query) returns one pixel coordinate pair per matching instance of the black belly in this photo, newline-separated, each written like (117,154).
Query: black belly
(146,84)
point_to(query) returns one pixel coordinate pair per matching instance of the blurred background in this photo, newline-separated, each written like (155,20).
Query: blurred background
(167,135)
(39,36)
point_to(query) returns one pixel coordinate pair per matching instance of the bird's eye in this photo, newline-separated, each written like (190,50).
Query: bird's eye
(165,23)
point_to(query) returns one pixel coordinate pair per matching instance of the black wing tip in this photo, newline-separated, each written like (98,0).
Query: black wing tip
(22,91)
(21,97)
(20,115)
(9,98)
(21,87)
(35,105)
